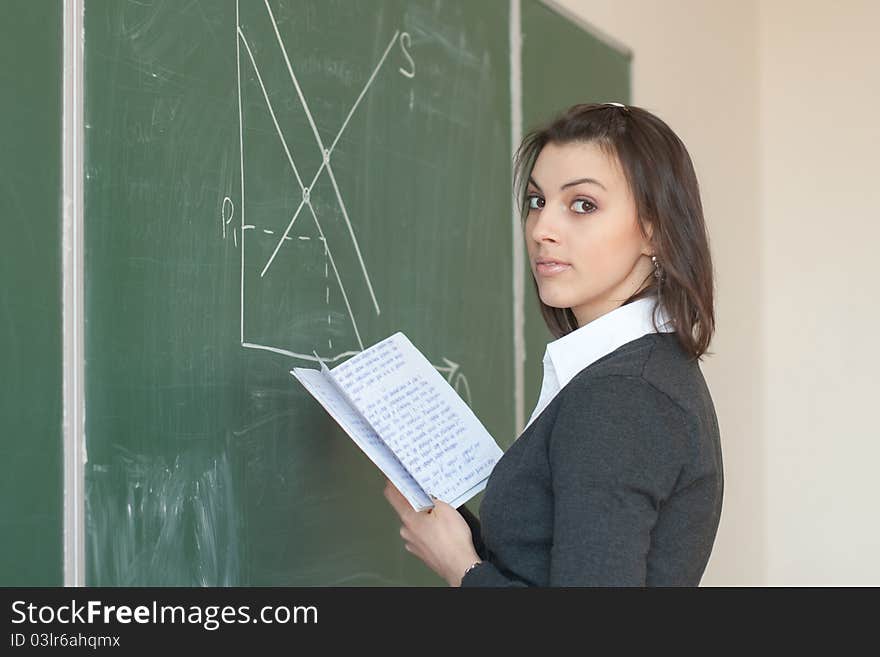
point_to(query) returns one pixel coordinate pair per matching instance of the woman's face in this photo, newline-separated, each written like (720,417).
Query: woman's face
(581,213)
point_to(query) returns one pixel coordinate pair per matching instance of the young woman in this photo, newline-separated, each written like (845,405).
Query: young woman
(617,479)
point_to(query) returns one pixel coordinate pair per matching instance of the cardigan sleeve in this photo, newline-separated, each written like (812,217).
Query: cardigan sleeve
(476,530)
(486,573)
(616,451)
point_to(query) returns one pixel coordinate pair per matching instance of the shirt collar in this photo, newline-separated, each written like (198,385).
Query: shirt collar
(571,353)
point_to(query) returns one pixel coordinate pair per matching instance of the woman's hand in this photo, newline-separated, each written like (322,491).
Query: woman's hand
(440,537)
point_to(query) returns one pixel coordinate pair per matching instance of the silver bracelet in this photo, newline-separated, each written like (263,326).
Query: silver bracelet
(471,567)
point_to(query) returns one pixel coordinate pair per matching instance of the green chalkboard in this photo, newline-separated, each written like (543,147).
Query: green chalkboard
(208,276)
(581,67)
(30,294)
(265,180)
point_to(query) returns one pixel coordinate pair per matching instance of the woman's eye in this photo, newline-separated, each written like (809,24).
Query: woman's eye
(578,206)
(535,202)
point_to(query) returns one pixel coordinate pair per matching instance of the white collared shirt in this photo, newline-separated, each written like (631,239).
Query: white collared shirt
(568,355)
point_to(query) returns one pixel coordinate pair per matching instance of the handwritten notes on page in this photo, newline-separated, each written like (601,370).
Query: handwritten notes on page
(327,394)
(420,417)
(408,420)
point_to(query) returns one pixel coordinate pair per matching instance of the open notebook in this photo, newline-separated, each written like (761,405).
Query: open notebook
(408,420)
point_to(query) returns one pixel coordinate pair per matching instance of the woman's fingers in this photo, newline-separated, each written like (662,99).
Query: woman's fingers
(396,499)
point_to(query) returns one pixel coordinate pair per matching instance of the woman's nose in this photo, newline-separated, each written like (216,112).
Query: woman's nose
(546,223)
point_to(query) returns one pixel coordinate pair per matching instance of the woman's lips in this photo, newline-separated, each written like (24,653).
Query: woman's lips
(551,268)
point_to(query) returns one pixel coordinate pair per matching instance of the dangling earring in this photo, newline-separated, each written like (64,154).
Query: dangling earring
(658,272)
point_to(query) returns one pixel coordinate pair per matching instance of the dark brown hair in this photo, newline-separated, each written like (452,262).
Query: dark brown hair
(663,183)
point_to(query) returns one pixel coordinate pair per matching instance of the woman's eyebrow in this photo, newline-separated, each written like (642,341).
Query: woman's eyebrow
(572,183)
(583,180)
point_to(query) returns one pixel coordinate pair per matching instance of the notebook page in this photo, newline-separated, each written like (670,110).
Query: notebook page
(419,415)
(468,494)
(363,435)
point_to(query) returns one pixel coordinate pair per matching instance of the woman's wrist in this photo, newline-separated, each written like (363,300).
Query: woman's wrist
(465,567)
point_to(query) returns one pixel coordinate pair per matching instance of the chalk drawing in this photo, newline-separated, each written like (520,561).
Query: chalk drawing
(406,42)
(227,211)
(245,57)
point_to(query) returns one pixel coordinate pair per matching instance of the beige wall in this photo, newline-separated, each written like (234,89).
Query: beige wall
(820,93)
(777,102)
(695,65)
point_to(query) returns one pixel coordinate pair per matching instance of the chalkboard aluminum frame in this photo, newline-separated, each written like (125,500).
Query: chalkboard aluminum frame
(73,319)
